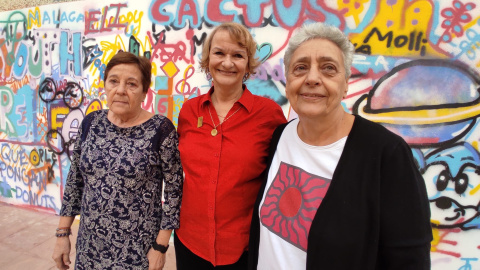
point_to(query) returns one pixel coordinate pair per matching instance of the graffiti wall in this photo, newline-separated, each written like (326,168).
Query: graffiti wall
(416,71)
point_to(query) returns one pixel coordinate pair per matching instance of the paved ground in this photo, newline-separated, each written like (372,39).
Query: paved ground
(27,240)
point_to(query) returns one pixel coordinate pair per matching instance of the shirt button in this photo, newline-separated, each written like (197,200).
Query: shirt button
(213,181)
(216,154)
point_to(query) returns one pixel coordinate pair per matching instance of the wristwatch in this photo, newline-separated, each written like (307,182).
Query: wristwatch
(159,247)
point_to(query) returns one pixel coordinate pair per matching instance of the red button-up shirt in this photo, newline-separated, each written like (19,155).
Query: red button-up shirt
(222,173)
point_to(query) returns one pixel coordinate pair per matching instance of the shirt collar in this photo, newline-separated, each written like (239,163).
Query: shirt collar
(246,100)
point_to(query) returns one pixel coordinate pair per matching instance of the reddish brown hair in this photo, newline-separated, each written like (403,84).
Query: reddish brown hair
(142,63)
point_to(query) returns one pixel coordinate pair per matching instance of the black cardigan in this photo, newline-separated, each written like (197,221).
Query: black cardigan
(375,214)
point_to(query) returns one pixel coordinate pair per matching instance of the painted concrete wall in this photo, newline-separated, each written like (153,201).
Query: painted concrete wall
(416,72)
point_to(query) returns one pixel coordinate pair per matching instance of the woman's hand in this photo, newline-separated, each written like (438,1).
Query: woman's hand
(156,259)
(61,253)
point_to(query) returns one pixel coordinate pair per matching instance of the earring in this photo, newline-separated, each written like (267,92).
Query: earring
(208,75)
(245,77)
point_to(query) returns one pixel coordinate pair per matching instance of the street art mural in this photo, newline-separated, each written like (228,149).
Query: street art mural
(416,71)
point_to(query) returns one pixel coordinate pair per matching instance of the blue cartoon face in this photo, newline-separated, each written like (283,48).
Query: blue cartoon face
(452,177)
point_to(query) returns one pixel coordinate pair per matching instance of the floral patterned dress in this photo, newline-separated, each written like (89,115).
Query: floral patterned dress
(115,184)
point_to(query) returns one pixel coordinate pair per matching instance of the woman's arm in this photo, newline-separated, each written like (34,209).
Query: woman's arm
(156,259)
(72,195)
(71,203)
(405,231)
(173,186)
(172,178)
(61,252)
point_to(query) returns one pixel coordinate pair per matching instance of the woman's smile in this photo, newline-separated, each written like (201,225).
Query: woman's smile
(224,72)
(312,96)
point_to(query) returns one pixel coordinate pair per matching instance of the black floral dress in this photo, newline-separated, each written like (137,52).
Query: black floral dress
(115,184)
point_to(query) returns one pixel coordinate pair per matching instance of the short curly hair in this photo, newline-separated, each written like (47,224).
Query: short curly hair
(324,31)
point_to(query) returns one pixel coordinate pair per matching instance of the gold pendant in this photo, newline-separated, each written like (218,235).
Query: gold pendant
(200,121)
(214,132)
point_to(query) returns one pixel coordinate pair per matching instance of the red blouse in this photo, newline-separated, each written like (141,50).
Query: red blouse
(222,173)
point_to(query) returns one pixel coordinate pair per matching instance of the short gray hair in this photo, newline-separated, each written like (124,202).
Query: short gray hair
(320,30)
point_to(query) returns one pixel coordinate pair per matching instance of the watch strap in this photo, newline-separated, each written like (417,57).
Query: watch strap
(159,247)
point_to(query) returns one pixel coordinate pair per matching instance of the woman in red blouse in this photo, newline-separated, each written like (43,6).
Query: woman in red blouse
(223,141)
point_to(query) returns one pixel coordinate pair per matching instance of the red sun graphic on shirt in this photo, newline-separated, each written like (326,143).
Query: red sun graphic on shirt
(291,203)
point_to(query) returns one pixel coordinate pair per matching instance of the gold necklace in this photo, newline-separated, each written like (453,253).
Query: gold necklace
(214,131)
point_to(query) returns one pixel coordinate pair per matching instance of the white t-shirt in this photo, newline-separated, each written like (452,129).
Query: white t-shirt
(297,184)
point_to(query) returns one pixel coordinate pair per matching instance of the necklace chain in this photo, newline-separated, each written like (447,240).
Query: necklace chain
(214,131)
